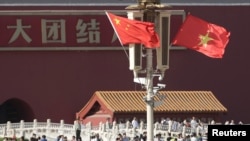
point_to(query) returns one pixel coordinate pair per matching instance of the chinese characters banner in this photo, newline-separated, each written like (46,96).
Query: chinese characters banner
(45,30)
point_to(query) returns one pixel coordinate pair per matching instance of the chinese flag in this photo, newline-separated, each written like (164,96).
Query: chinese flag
(133,31)
(202,36)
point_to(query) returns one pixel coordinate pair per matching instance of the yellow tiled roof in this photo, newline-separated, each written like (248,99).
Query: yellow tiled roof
(175,101)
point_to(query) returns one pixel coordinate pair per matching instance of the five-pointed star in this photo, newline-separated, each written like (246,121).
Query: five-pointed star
(127,27)
(204,39)
(117,21)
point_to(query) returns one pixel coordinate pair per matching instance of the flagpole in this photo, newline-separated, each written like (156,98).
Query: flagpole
(116,33)
(114,28)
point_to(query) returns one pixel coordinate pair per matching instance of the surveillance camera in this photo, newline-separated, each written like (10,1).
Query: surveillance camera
(161,85)
(160,78)
(155,91)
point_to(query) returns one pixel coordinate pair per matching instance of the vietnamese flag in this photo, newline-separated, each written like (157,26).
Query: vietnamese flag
(134,31)
(202,36)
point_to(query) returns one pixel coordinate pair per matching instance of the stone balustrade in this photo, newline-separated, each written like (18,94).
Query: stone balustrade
(107,131)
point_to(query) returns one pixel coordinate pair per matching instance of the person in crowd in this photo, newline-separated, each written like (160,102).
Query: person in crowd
(187,138)
(78,129)
(33,137)
(119,137)
(43,138)
(193,122)
(204,137)
(185,122)
(92,138)
(180,138)
(176,126)
(61,138)
(135,123)
(124,137)
(97,137)
(227,122)
(212,122)
(58,138)
(173,139)
(232,122)
(22,138)
(65,138)
(163,122)
(169,137)
(136,138)
(143,137)
(199,137)
(199,128)
(240,123)
(158,137)
(193,137)
(73,138)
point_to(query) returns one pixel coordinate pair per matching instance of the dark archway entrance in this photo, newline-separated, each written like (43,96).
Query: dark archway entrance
(14,110)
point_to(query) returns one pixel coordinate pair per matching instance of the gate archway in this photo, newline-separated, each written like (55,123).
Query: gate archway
(14,110)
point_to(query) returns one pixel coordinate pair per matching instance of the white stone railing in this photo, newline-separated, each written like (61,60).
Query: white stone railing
(108,132)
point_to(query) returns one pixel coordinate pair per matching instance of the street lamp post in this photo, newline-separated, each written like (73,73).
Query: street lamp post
(148,8)
(151,11)
(149,98)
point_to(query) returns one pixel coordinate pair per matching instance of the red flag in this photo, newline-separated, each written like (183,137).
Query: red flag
(202,36)
(133,31)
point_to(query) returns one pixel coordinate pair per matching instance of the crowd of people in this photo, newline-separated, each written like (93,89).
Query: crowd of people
(198,133)
(194,123)
(172,125)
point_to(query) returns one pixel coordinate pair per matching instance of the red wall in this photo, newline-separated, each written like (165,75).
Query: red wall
(57,84)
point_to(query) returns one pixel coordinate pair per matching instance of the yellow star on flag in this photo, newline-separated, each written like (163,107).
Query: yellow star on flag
(127,27)
(131,31)
(117,21)
(205,39)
